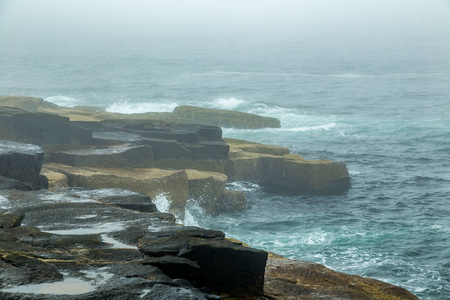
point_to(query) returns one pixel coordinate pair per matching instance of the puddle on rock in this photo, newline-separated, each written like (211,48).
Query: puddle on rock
(70,286)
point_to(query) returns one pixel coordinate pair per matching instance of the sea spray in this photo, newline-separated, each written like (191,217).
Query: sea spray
(130,107)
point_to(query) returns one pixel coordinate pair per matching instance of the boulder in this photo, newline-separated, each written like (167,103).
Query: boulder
(21,161)
(151,182)
(295,279)
(224,266)
(226,118)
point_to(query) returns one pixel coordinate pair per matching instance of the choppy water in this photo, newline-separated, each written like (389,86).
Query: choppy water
(382,108)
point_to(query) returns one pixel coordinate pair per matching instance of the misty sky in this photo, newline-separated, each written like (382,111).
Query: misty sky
(44,20)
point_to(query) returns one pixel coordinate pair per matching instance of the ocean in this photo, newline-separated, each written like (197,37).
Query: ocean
(380,106)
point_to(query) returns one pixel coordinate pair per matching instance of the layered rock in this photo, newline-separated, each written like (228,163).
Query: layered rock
(287,173)
(226,118)
(173,184)
(21,161)
(182,114)
(119,156)
(40,128)
(126,247)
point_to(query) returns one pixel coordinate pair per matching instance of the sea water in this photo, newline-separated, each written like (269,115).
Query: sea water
(381,107)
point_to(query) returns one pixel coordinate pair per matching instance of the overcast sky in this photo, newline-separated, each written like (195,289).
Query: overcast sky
(55,19)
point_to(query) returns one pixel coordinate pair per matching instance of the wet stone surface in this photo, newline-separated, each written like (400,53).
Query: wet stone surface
(75,243)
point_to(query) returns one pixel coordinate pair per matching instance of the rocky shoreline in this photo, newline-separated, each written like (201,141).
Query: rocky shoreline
(76,208)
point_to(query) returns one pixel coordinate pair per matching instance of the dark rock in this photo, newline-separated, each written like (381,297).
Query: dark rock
(136,202)
(21,161)
(10,220)
(21,269)
(224,266)
(175,267)
(123,156)
(229,268)
(40,128)
(11,184)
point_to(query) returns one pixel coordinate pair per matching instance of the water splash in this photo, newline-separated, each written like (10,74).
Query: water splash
(63,101)
(125,107)
(161,202)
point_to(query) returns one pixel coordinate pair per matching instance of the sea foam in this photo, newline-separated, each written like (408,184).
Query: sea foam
(125,107)
(63,101)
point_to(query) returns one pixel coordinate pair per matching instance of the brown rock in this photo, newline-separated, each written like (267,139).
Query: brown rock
(293,279)
(150,182)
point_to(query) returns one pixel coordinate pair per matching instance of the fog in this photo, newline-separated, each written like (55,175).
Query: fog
(33,21)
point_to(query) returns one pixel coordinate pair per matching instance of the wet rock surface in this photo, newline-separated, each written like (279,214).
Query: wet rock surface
(114,243)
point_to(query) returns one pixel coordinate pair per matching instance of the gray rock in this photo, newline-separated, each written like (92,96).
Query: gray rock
(21,161)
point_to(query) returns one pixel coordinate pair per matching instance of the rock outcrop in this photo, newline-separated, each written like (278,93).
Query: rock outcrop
(295,279)
(151,182)
(286,173)
(115,240)
(76,243)
(42,129)
(226,118)
(181,115)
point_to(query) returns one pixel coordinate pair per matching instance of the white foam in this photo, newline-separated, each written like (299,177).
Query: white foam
(55,197)
(228,104)
(92,229)
(4,203)
(85,217)
(63,101)
(189,219)
(325,127)
(115,243)
(161,202)
(243,186)
(126,107)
